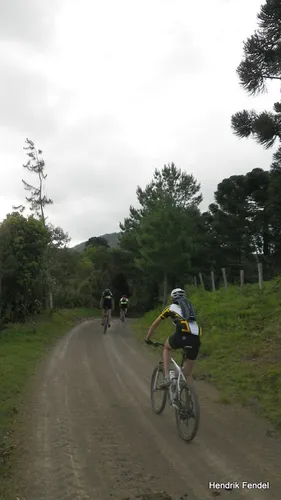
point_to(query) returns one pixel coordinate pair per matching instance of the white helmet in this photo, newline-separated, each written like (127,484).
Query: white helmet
(178,294)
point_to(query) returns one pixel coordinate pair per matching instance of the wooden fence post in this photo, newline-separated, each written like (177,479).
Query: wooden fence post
(224,277)
(201,280)
(241,277)
(260,275)
(213,281)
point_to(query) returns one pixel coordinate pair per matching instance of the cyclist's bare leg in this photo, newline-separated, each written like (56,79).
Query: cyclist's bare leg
(102,316)
(166,362)
(188,369)
(167,358)
(109,317)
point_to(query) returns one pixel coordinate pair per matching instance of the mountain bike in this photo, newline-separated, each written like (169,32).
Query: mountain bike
(105,320)
(181,395)
(122,315)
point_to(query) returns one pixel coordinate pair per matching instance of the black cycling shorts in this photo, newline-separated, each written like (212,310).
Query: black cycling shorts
(178,341)
(123,306)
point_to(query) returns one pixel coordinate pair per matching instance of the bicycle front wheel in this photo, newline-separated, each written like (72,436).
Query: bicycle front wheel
(105,324)
(155,391)
(188,412)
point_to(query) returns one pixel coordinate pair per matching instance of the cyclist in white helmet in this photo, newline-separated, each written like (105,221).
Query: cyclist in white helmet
(187,333)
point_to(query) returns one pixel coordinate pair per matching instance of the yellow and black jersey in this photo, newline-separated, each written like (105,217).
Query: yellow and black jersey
(182,325)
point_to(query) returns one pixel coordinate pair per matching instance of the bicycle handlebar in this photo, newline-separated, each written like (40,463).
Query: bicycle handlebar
(155,344)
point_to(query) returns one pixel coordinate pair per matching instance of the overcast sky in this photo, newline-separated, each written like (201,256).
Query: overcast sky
(112,89)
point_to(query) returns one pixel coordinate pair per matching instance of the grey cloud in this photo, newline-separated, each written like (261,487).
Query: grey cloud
(92,159)
(92,222)
(27,21)
(23,97)
(92,177)
(186,57)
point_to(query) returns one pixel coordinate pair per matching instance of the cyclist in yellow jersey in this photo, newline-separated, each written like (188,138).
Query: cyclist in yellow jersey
(187,333)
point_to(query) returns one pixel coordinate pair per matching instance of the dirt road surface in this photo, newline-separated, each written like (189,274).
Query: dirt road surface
(90,433)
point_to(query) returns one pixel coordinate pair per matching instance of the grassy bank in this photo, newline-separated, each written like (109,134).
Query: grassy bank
(241,345)
(21,348)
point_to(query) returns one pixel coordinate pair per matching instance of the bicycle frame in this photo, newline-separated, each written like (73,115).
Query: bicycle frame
(180,374)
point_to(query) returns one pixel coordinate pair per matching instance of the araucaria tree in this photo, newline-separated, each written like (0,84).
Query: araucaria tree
(262,63)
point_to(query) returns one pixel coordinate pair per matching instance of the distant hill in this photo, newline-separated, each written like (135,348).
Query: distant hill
(111,238)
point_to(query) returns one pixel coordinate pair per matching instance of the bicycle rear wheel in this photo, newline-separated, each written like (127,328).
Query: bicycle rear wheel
(156,378)
(188,411)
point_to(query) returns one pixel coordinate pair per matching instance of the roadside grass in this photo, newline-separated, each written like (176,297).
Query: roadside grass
(21,349)
(241,344)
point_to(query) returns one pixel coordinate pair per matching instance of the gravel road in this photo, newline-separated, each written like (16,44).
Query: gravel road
(90,434)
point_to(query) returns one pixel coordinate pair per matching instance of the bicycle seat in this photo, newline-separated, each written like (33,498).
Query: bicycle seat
(186,347)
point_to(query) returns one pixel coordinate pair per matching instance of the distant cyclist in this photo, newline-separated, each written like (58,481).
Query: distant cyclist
(107,303)
(187,333)
(123,303)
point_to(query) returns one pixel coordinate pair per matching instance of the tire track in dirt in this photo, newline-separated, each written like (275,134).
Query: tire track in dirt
(50,447)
